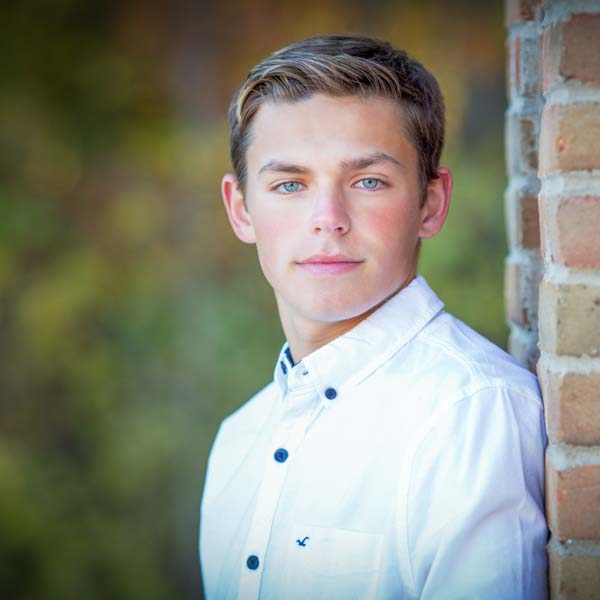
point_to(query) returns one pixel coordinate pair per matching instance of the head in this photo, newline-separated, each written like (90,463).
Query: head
(341,66)
(336,143)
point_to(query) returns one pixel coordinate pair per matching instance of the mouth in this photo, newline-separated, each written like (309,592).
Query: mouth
(337,264)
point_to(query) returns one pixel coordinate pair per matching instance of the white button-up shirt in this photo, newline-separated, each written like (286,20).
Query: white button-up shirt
(404,459)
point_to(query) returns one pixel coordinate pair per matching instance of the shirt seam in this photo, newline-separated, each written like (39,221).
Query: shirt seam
(374,366)
(433,421)
(454,354)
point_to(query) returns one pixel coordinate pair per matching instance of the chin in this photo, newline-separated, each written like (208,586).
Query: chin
(337,312)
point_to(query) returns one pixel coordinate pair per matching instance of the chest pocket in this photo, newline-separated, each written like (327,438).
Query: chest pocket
(331,552)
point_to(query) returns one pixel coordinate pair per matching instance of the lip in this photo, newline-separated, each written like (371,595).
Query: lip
(335,264)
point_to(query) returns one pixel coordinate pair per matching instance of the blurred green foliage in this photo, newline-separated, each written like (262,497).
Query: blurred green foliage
(131,319)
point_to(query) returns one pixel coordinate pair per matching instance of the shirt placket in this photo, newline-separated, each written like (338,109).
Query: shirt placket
(285,441)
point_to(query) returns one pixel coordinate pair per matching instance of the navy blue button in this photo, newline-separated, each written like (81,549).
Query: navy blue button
(330,393)
(283,367)
(252,562)
(281,454)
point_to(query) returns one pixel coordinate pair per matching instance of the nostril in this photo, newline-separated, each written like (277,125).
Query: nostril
(330,216)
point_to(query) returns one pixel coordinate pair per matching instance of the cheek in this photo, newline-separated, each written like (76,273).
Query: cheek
(271,236)
(271,222)
(382,222)
(391,227)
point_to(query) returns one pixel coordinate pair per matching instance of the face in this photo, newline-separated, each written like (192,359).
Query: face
(333,204)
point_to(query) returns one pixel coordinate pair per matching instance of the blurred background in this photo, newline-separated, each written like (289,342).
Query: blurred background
(131,319)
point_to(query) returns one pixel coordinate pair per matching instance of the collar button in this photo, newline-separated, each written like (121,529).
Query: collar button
(281,455)
(330,393)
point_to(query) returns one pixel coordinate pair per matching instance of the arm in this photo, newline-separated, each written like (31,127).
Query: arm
(475,524)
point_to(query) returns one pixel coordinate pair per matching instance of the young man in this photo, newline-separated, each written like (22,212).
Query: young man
(397,453)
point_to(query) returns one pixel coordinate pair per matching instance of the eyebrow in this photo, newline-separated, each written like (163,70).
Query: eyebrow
(354,164)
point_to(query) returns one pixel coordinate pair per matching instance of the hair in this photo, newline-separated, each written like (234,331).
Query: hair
(337,66)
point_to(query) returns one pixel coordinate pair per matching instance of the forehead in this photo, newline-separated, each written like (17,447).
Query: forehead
(321,129)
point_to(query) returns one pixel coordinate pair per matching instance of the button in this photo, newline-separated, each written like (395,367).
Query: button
(283,367)
(330,393)
(252,562)
(281,455)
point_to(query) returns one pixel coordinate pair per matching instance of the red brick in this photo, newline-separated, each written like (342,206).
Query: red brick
(571,50)
(519,10)
(530,223)
(573,576)
(522,144)
(572,402)
(569,138)
(528,143)
(569,228)
(521,294)
(570,319)
(578,232)
(523,222)
(543,225)
(573,501)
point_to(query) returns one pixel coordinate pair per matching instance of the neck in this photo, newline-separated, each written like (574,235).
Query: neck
(305,335)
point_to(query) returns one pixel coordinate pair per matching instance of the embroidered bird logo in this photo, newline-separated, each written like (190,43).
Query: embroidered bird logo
(303,542)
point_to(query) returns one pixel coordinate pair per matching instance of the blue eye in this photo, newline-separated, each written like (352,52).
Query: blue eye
(290,186)
(370,183)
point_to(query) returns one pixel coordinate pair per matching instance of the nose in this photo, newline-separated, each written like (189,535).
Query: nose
(330,214)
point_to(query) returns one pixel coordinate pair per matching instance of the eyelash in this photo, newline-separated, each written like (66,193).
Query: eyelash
(381,184)
(279,187)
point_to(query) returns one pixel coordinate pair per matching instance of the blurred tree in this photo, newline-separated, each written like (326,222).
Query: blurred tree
(131,319)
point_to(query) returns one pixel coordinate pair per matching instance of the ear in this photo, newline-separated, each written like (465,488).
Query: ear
(239,217)
(437,203)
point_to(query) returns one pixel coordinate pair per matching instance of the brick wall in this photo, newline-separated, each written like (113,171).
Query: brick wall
(553,268)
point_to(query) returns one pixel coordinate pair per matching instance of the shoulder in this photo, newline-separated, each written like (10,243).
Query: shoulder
(474,488)
(468,363)
(251,413)
(487,412)
(244,422)
(235,435)
(461,384)
(473,476)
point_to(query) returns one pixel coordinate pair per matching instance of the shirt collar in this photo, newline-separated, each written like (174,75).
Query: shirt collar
(357,353)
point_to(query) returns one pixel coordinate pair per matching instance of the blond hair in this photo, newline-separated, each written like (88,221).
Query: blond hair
(343,65)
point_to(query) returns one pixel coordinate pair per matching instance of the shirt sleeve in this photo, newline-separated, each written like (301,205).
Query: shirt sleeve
(475,525)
